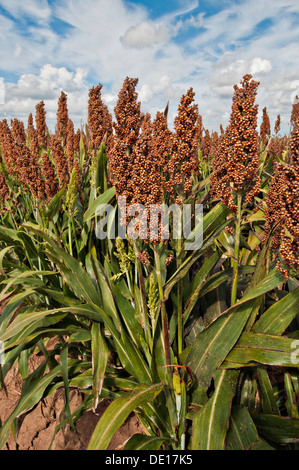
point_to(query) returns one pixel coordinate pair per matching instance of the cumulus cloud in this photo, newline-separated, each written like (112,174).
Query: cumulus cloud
(146,34)
(22,97)
(259,65)
(108,41)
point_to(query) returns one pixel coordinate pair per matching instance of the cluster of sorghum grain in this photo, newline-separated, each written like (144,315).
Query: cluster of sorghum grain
(127,113)
(18,158)
(7,147)
(62,118)
(161,148)
(277,145)
(206,145)
(134,161)
(40,121)
(282,215)
(51,184)
(265,129)
(214,143)
(183,163)
(277,124)
(295,111)
(236,162)
(18,130)
(4,189)
(60,160)
(70,143)
(33,139)
(99,118)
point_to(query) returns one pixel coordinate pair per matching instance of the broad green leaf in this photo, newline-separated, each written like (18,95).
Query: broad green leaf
(197,283)
(268,401)
(242,432)
(277,318)
(144,442)
(212,345)
(117,413)
(2,256)
(278,429)
(100,177)
(107,297)
(54,204)
(65,376)
(219,278)
(105,198)
(261,445)
(263,349)
(291,396)
(210,424)
(186,265)
(100,355)
(11,308)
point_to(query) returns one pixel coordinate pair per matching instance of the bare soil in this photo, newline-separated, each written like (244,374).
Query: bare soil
(38,427)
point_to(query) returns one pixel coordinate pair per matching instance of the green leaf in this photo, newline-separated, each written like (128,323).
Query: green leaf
(263,349)
(100,355)
(117,413)
(100,177)
(186,265)
(54,204)
(277,318)
(212,345)
(278,429)
(211,422)
(242,432)
(64,369)
(105,198)
(191,295)
(143,442)
(268,401)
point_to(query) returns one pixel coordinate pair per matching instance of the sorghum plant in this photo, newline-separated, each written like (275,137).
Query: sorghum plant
(235,179)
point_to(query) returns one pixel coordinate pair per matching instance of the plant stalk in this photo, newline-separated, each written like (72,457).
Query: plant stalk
(179,302)
(165,328)
(235,262)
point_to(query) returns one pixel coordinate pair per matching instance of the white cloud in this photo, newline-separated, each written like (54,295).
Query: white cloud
(114,39)
(22,97)
(259,65)
(38,9)
(146,34)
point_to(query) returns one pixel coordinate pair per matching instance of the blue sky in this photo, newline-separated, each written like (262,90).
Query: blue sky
(51,45)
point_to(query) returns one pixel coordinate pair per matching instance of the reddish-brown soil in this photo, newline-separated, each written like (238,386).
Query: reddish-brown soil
(37,428)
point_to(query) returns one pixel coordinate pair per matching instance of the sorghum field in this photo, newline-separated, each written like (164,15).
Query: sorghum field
(202,345)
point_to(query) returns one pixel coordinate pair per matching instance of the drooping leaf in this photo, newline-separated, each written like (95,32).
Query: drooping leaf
(210,424)
(117,412)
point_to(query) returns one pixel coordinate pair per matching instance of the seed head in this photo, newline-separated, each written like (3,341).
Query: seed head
(41,128)
(127,113)
(60,160)
(33,139)
(236,161)
(51,184)
(62,118)
(183,163)
(99,118)
(282,213)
